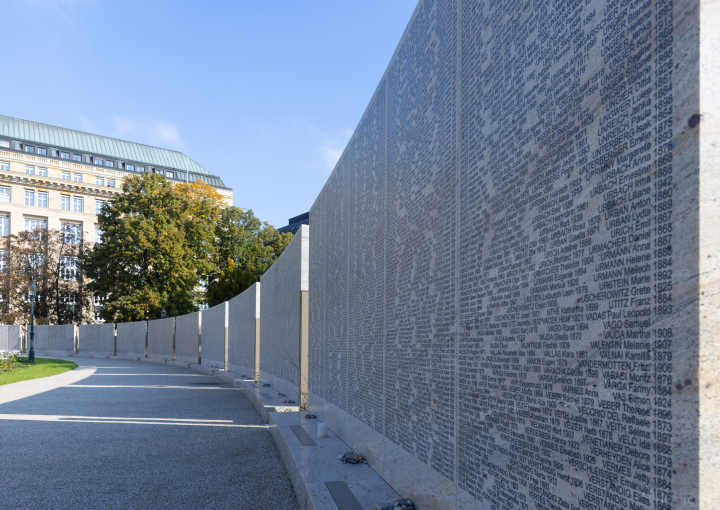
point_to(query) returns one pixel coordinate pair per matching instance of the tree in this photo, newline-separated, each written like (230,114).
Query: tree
(156,248)
(246,248)
(203,211)
(50,258)
(229,283)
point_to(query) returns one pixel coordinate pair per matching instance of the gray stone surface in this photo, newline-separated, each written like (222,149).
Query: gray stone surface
(510,259)
(280,311)
(243,311)
(160,338)
(54,340)
(214,322)
(96,340)
(122,434)
(131,339)
(10,338)
(187,337)
(310,467)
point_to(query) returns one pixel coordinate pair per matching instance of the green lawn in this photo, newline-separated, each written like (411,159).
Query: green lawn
(43,367)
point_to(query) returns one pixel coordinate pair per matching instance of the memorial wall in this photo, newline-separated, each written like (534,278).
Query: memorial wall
(510,261)
(54,340)
(96,339)
(280,313)
(214,326)
(243,332)
(187,337)
(10,338)
(161,334)
(130,340)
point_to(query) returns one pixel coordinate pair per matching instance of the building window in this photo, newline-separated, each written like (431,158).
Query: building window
(30,148)
(3,264)
(4,165)
(98,235)
(42,172)
(130,167)
(42,200)
(66,176)
(141,169)
(64,155)
(98,161)
(71,232)
(98,206)
(109,163)
(77,177)
(69,268)
(99,181)
(69,298)
(111,183)
(30,170)
(161,172)
(170,175)
(4,194)
(4,226)
(29,197)
(32,224)
(77,157)
(65,202)
(42,151)
(77,204)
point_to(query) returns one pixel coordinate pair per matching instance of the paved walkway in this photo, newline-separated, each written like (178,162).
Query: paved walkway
(123,434)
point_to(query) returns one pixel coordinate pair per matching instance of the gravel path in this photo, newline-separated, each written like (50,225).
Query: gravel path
(123,434)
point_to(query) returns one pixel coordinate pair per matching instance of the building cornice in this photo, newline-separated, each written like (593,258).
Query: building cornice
(57,186)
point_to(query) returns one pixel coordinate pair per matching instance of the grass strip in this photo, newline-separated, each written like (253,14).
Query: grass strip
(43,367)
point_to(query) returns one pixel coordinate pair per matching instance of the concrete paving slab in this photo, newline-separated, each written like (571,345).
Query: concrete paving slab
(123,434)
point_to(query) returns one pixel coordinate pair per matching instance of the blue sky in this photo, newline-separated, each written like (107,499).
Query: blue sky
(264,94)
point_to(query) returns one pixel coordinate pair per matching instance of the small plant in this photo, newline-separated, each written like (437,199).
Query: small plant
(9,360)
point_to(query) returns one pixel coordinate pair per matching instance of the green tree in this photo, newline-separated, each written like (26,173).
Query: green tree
(50,258)
(246,248)
(229,283)
(156,247)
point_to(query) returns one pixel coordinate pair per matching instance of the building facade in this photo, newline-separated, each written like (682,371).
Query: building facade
(60,178)
(56,177)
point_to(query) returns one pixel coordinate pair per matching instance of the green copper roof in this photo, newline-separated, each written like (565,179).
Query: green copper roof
(58,137)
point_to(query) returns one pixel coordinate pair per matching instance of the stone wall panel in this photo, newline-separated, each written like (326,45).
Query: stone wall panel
(96,340)
(243,312)
(160,338)
(131,339)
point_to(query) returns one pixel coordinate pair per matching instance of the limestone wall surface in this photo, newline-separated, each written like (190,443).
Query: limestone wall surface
(187,337)
(503,285)
(131,339)
(213,336)
(96,340)
(243,319)
(280,310)
(160,338)
(10,338)
(54,340)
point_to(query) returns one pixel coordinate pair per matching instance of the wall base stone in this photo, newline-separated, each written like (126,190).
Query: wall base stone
(310,467)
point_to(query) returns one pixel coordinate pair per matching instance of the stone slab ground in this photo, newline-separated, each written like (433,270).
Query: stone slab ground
(124,434)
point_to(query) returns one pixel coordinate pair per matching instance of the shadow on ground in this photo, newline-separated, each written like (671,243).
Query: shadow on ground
(138,435)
